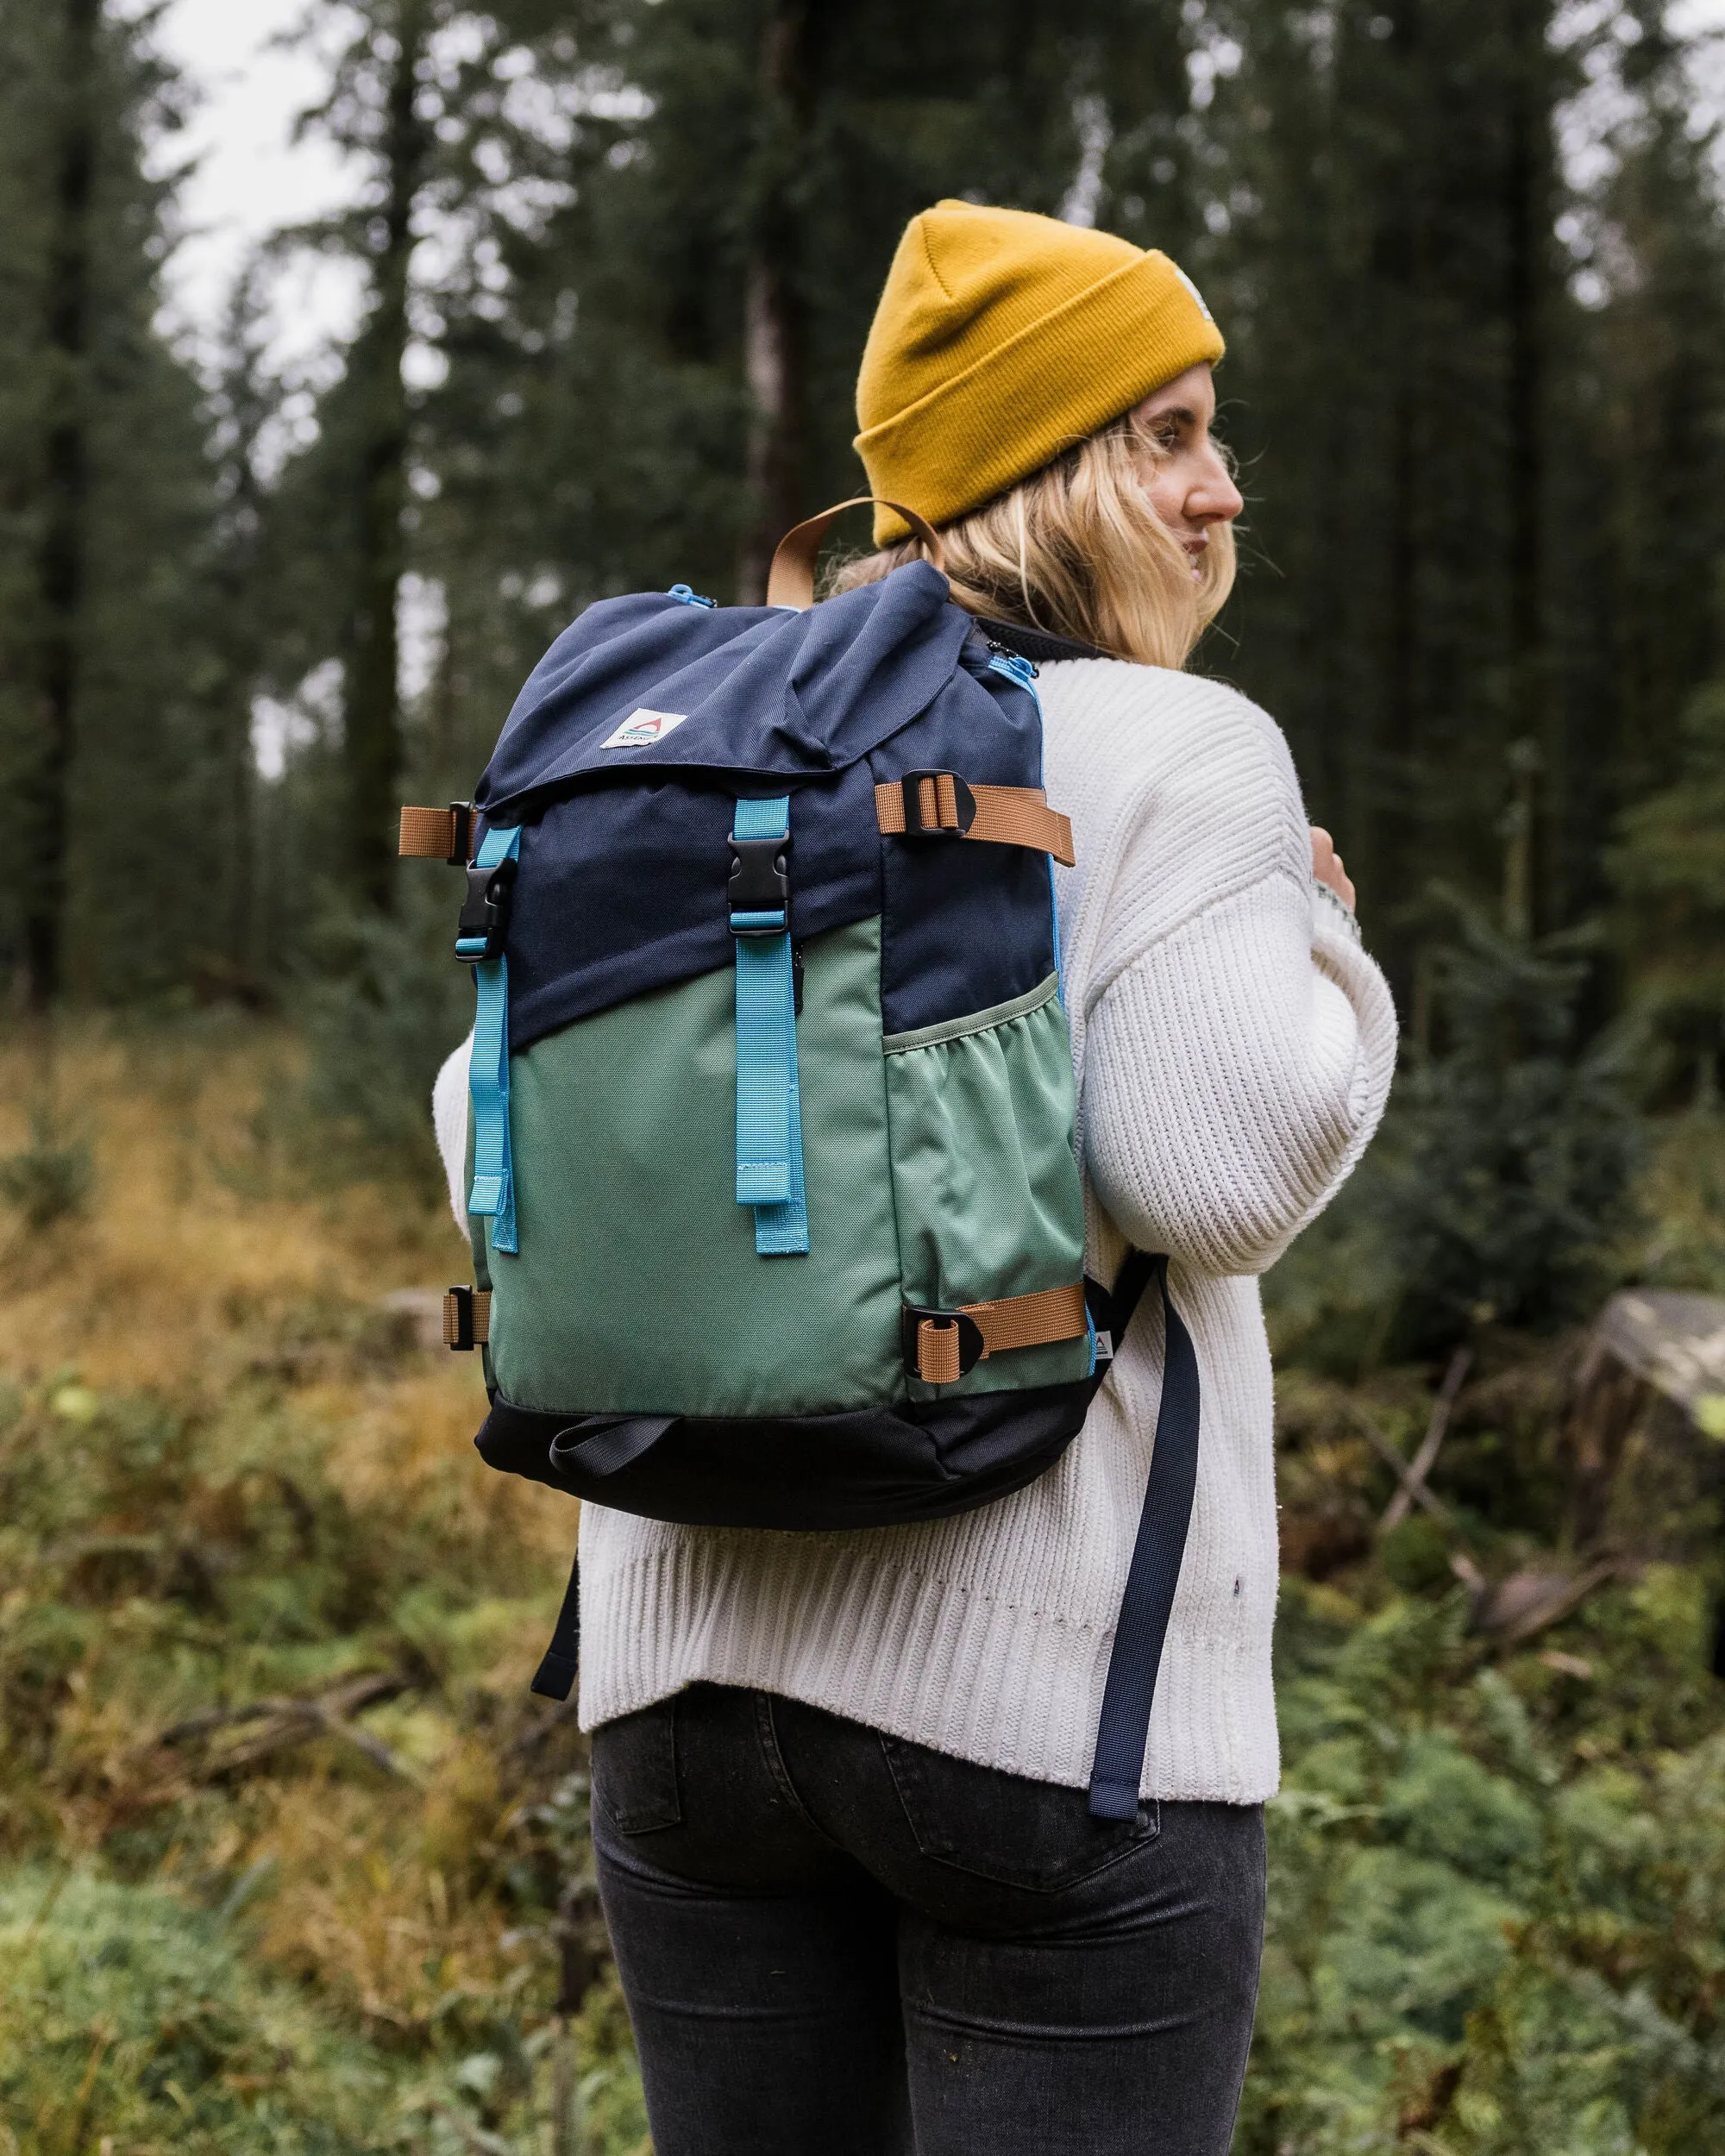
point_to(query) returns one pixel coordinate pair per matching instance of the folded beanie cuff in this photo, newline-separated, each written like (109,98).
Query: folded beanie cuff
(986,428)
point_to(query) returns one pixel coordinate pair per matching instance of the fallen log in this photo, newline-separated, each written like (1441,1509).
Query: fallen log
(280,1724)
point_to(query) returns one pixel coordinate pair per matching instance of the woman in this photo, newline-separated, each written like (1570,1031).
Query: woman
(857,1900)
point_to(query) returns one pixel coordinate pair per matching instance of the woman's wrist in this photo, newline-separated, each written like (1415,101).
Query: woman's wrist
(1330,909)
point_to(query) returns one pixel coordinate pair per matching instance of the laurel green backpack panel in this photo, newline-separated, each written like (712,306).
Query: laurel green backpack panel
(987,1194)
(636,1288)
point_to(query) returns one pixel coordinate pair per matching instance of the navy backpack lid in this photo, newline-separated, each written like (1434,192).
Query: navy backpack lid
(627,872)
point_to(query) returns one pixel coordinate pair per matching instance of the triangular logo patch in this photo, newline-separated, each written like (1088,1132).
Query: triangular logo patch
(643,728)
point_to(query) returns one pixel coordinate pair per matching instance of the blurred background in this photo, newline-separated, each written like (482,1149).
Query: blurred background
(347,351)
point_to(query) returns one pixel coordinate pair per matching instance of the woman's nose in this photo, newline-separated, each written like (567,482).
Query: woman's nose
(1215,498)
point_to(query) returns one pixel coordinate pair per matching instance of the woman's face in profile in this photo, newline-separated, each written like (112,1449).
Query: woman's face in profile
(1188,484)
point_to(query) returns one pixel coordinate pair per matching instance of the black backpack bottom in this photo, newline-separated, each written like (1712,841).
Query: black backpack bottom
(877,1468)
(871,1468)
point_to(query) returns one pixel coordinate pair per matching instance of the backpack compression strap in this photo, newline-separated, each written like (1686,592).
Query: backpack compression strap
(1154,1573)
(941,1346)
(769,1123)
(940,804)
(484,922)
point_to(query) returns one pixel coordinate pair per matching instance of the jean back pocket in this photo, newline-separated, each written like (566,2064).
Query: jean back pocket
(1004,1827)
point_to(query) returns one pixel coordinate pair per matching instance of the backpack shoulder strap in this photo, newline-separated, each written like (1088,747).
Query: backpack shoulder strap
(1154,1573)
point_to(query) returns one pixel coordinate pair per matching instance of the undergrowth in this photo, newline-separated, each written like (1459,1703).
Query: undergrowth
(231,1479)
(282,1837)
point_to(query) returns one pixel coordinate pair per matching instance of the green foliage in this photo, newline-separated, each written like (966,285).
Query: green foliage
(382,1010)
(1669,865)
(245,1569)
(1501,1191)
(1504,1185)
(125,2012)
(50,1178)
(1489,1926)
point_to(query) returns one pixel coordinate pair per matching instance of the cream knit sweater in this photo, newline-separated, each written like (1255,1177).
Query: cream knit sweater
(1234,1047)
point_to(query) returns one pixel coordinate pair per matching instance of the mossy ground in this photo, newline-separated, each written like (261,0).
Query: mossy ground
(228,1475)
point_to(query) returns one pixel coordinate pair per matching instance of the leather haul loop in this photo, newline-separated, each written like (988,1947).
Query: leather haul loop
(437,834)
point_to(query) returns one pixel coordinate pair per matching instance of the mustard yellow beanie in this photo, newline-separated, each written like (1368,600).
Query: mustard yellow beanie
(1001,339)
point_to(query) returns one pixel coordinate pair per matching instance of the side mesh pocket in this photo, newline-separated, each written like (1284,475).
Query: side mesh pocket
(984,1179)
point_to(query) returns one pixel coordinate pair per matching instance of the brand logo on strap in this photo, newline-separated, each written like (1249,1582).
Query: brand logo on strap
(643,728)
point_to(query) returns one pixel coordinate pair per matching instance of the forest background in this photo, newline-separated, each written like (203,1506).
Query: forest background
(286,1860)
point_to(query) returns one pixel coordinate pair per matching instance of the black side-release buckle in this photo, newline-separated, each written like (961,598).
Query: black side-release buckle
(484,920)
(970,1340)
(760,887)
(963,798)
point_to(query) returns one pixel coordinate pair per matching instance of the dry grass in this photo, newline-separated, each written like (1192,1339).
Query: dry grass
(229,1479)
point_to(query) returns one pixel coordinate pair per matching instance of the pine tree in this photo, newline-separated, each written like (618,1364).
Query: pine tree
(374,107)
(103,549)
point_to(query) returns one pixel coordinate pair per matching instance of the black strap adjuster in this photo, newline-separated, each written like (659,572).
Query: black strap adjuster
(484,922)
(458,1319)
(912,1318)
(963,801)
(461,834)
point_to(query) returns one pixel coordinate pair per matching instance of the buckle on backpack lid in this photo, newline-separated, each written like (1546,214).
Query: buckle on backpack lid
(937,805)
(760,887)
(484,921)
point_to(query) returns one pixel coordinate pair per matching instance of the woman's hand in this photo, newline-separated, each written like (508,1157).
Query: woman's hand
(1326,866)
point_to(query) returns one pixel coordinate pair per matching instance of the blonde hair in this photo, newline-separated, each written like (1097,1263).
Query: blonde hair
(1078,550)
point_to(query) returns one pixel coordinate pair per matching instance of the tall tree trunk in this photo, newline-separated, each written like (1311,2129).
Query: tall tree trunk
(1387,759)
(61,553)
(373,727)
(1527,213)
(773,356)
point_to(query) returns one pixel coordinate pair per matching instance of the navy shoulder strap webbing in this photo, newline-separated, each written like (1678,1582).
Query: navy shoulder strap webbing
(1154,1573)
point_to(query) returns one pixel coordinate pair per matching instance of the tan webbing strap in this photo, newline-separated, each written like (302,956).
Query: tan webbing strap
(1006,815)
(790,581)
(937,1360)
(1016,1321)
(435,834)
(467,1317)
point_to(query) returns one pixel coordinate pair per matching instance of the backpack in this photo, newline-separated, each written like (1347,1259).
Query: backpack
(775,1209)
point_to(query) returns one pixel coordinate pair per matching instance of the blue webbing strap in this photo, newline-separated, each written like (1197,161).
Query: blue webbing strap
(493,1192)
(770,1125)
(1124,1730)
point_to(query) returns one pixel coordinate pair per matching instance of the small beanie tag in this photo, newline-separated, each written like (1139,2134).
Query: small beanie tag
(1193,289)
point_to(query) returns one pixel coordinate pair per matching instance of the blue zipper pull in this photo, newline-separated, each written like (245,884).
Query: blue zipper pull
(1014,667)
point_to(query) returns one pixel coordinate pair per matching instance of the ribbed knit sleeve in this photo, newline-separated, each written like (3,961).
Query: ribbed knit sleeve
(449,1121)
(1233,1080)
(1238,1042)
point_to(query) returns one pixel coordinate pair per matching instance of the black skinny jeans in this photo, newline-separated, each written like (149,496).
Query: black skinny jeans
(834,1943)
